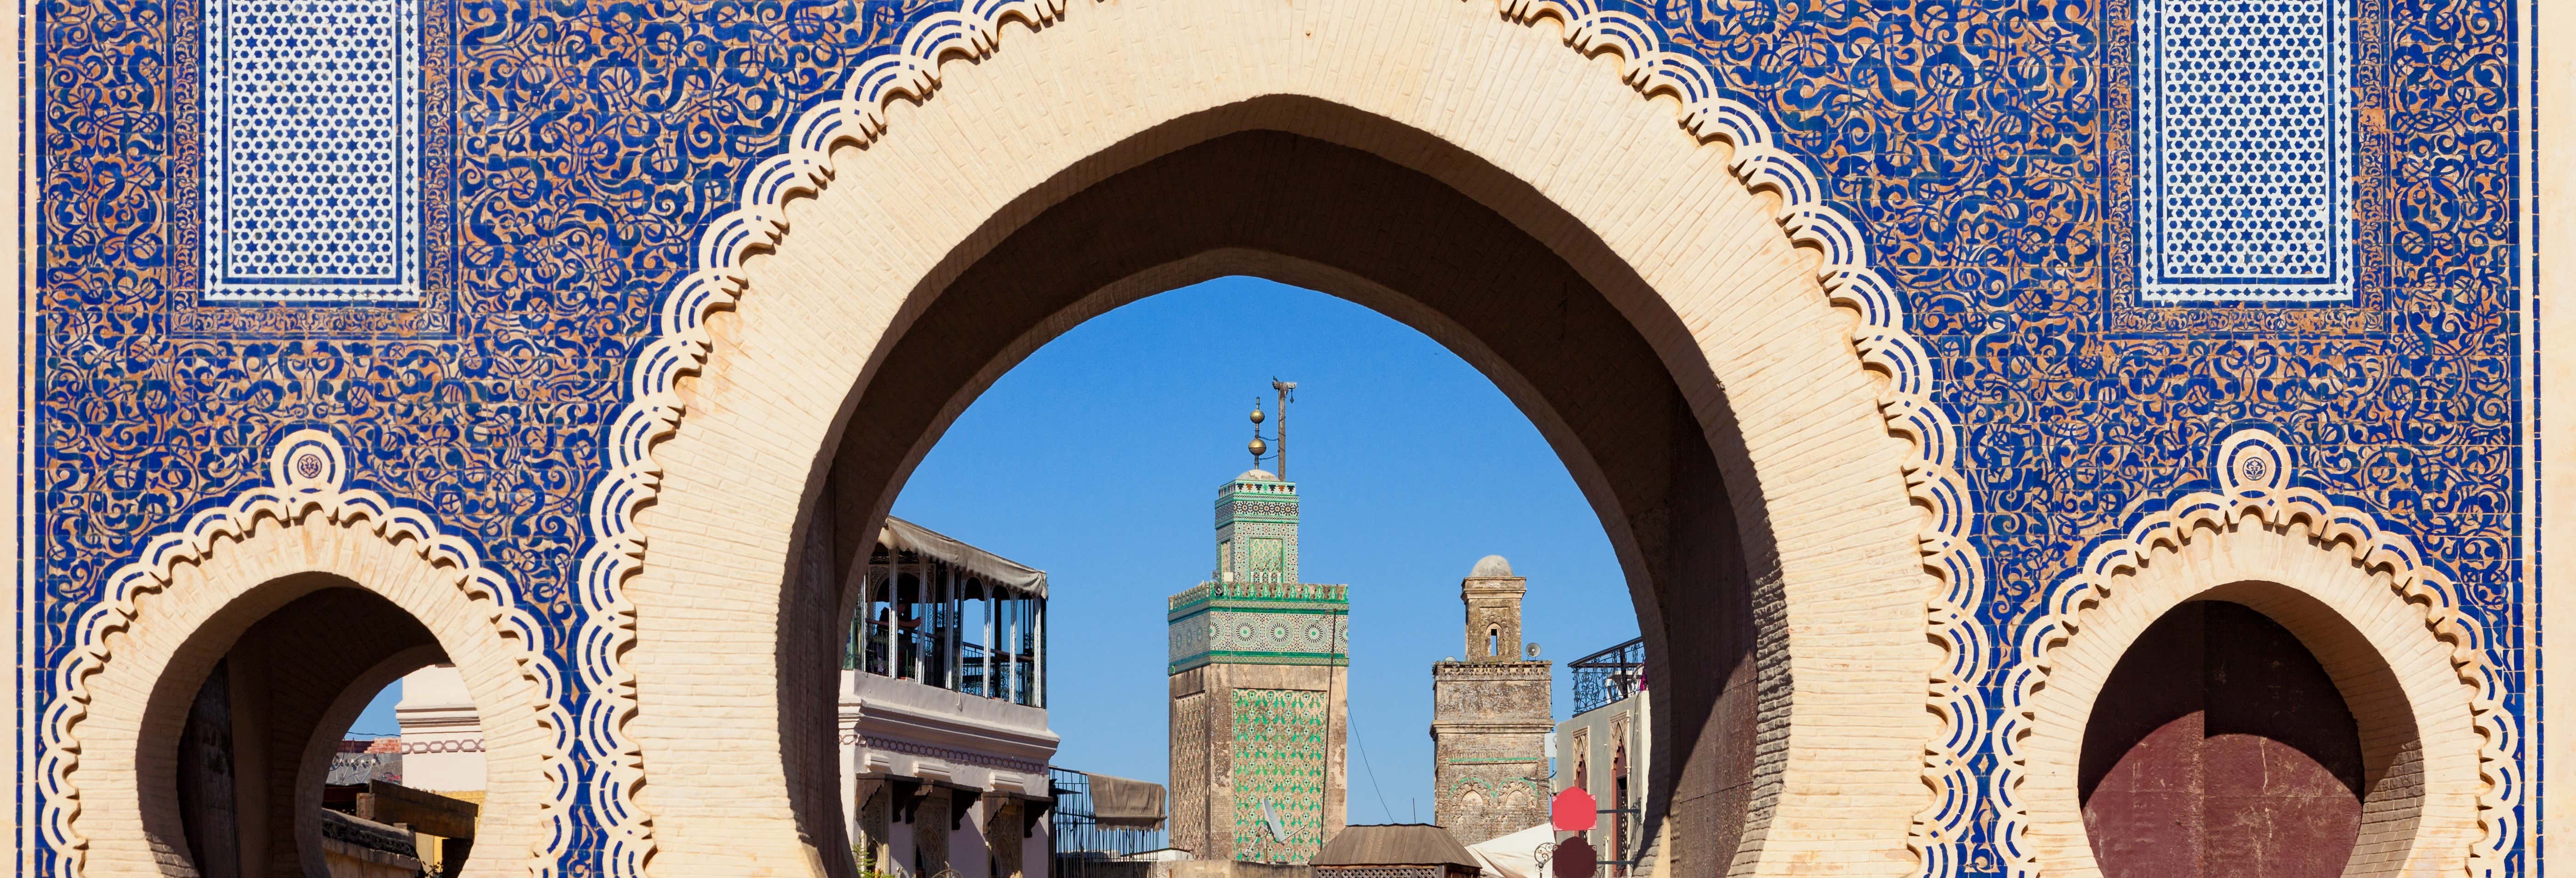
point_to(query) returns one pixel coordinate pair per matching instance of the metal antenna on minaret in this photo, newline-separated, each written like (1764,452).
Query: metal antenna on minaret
(1287,394)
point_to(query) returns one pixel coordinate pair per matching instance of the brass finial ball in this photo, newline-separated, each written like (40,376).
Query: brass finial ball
(1259,447)
(1256,416)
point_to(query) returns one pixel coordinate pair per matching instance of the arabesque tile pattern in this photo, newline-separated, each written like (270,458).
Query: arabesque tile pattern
(572,151)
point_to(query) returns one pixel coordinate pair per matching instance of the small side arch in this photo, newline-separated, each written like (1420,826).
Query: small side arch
(142,654)
(2380,621)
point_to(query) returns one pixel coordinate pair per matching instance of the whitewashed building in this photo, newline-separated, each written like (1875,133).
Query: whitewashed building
(943,727)
(442,738)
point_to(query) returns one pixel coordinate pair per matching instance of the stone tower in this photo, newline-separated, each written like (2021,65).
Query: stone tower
(1490,717)
(1260,687)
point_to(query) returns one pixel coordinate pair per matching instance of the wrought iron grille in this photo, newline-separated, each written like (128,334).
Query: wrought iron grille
(1609,676)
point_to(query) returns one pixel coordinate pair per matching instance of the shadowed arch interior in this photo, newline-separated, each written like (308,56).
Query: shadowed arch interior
(2220,742)
(1669,479)
(244,742)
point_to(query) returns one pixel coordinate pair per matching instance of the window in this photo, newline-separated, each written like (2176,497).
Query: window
(2244,143)
(1582,761)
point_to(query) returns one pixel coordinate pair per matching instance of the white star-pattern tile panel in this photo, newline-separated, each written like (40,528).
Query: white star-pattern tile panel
(2245,150)
(312,114)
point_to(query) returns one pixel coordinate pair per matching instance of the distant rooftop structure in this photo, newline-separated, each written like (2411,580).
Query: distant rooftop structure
(1403,849)
(360,767)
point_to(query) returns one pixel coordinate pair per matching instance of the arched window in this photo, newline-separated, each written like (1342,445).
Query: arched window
(1582,759)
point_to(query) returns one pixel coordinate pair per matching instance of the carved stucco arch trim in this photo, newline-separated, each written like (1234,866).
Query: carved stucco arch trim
(2291,551)
(680,341)
(308,500)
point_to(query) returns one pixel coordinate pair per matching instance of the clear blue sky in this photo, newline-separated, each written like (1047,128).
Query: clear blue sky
(1097,460)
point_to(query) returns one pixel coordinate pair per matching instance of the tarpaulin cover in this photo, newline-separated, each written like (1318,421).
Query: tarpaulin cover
(904,536)
(1122,803)
(1515,855)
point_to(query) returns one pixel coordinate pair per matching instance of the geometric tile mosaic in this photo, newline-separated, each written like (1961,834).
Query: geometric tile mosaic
(1985,150)
(312,160)
(2245,150)
(1279,773)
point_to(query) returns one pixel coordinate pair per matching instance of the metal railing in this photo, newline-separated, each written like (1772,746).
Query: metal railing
(1608,677)
(922,657)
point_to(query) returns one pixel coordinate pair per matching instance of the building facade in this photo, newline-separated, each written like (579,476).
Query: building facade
(1260,690)
(943,737)
(1603,747)
(442,737)
(1490,716)
(1921,358)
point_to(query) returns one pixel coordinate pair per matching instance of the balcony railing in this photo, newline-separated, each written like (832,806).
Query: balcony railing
(1081,846)
(1608,677)
(921,657)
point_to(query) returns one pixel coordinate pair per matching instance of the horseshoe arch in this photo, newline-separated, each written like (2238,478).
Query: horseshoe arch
(971,200)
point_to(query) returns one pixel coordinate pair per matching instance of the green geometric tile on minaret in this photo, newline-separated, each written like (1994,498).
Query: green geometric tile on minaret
(1252,609)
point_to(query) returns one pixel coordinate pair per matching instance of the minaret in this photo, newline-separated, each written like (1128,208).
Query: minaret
(1490,716)
(1260,687)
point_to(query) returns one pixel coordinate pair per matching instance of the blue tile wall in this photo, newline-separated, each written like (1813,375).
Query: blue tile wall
(572,148)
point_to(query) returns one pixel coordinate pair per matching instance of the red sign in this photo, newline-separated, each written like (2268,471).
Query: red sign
(1573,811)
(1574,858)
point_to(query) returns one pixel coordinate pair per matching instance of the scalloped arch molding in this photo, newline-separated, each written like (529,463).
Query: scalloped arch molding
(1971,725)
(308,473)
(2254,479)
(682,341)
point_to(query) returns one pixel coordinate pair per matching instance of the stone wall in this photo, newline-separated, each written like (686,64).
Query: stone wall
(1489,729)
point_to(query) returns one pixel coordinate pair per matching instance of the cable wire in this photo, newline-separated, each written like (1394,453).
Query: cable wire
(1372,773)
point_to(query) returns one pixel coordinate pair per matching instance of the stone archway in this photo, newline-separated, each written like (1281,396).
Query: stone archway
(1761,490)
(2381,623)
(368,590)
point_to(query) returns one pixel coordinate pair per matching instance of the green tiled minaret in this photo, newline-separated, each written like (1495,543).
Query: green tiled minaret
(1252,609)
(1256,529)
(1259,688)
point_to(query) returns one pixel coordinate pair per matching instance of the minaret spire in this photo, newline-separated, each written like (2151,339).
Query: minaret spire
(1260,680)
(1257,447)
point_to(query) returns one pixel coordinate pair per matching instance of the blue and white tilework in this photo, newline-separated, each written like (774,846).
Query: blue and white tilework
(312,175)
(1984,148)
(2245,143)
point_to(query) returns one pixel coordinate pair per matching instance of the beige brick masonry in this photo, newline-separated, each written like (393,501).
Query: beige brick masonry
(1651,215)
(171,616)
(2391,648)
